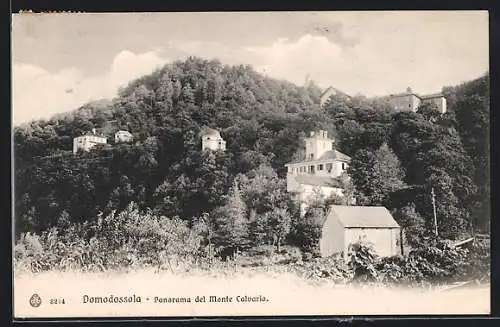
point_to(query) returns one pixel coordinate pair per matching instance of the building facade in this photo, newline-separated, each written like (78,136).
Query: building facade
(410,101)
(87,142)
(346,225)
(123,137)
(211,140)
(318,174)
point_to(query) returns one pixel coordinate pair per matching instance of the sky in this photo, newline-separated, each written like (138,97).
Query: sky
(62,61)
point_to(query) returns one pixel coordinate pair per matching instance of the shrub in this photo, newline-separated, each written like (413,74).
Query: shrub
(332,268)
(306,234)
(435,262)
(128,239)
(362,260)
(392,270)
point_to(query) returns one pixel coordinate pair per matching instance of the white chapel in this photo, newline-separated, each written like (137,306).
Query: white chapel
(211,139)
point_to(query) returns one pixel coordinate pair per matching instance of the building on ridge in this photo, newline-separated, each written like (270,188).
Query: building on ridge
(329,92)
(410,101)
(211,140)
(319,172)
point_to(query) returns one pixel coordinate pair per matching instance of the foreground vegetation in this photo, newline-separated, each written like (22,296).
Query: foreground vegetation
(135,240)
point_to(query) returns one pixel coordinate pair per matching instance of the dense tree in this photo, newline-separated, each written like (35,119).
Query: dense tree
(232,223)
(279,222)
(264,122)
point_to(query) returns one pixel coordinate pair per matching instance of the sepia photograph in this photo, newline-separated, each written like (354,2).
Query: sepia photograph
(250,164)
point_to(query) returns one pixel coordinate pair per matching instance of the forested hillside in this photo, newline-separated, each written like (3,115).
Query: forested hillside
(396,157)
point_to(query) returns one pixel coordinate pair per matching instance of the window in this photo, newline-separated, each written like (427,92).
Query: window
(311,156)
(311,169)
(343,166)
(320,167)
(329,167)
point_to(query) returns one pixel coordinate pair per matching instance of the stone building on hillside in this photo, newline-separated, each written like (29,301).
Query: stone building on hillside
(88,141)
(211,140)
(319,172)
(410,101)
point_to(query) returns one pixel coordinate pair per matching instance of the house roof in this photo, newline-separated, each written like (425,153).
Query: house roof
(363,216)
(210,132)
(422,97)
(432,96)
(123,132)
(402,95)
(334,154)
(316,180)
(330,154)
(91,134)
(336,91)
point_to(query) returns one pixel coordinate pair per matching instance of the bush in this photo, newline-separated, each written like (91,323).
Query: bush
(129,239)
(362,260)
(306,234)
(436,262)
(332,268)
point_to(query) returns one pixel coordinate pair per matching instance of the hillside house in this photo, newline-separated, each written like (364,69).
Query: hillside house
(329,92)
(123,137)
(410,101)
(88,141)
(211,140)
(319,172)
(345,225)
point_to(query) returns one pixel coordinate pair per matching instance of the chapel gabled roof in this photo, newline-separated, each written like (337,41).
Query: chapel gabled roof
(363,216)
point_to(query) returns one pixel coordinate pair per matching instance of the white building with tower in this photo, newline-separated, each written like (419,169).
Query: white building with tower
(211,140)
(319,172)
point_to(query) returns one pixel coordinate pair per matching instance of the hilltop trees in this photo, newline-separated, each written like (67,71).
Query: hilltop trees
(397,158)
(163,169)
